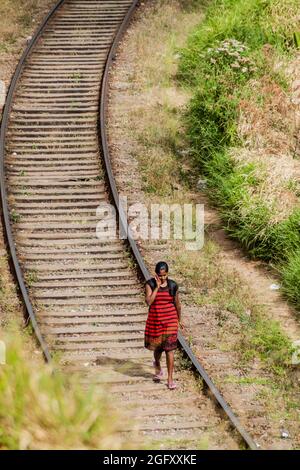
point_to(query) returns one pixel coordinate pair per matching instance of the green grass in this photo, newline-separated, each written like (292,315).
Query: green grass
(291,278)
(15,216)
(255,23)
(265,339)
(222,59)
(42,410)
(256,336)
(248,380)
(202,444)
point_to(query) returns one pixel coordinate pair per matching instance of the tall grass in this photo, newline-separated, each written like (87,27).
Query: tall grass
(255,23)
(259,336)
(223,57)
(291,277)
(42,410)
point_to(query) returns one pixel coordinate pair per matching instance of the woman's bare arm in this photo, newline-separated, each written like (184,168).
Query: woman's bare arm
(178,306)
(150,295)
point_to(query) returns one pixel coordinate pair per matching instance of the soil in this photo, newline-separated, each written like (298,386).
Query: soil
(9,59)
(213,345)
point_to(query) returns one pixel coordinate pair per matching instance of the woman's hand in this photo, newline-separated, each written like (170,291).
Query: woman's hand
(158,281)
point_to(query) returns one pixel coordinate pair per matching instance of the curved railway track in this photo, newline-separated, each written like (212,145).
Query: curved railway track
(83,296)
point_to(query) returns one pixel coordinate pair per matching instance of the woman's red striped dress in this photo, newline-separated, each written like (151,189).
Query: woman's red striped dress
(162,323)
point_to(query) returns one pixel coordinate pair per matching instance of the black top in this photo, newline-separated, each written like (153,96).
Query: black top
(171,285)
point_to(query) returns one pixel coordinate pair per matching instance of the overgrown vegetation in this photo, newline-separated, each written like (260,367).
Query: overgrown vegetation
(16,18)
(40,409)
(259,336)
(161,151)
(152,122)
(234,62)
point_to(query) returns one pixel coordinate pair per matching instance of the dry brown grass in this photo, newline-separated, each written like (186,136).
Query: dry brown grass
(16,17)
(158,95)
(147,135)
(159,63)
(285,17)
(10,307)
(151,120)
(208,280)
(270,125)
(270,133)
(19,19)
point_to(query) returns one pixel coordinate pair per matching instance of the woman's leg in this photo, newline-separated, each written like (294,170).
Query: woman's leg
(170,365)
(157,357)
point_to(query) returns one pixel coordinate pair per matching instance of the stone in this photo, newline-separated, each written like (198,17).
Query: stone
(201,184)
(2,93)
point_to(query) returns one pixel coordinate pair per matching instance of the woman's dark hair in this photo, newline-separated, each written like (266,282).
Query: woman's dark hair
(161,265)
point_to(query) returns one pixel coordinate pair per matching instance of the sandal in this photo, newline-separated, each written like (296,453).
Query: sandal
(172,386)
(159,375)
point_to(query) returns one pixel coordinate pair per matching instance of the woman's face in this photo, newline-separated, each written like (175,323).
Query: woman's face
(163,275)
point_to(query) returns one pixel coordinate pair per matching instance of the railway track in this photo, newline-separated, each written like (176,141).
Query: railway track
(83,296)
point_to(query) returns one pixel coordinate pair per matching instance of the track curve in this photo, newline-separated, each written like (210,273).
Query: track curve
(84,297)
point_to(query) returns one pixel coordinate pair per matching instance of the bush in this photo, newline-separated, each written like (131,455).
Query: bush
(291,278)
(221,59)
(42,410)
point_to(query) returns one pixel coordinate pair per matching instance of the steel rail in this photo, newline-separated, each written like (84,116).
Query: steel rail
(143,271)
(5,212)
(133,246)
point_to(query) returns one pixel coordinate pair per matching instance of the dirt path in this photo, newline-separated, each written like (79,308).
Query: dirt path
(257,275)
(85,292)
(261,281)
(214,333)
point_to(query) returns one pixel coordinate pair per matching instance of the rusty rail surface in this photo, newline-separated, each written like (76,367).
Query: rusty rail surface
(103,144)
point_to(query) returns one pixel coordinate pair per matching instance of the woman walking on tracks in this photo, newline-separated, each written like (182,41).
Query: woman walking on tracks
(162,323)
